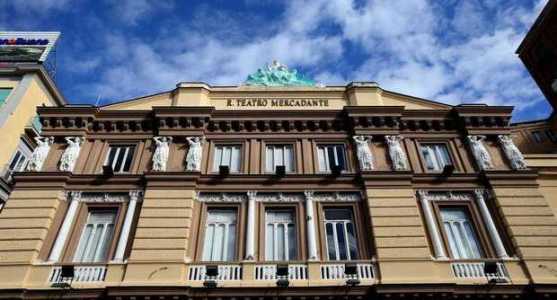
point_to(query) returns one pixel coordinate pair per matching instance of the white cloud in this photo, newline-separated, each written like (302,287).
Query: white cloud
(458,53)
(131,11)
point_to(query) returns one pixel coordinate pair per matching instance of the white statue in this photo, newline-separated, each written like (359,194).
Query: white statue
(396,152)
(193,159)
(511,151)
(483,159)
(160,157)
(40,153)
(69,157)
(363,152)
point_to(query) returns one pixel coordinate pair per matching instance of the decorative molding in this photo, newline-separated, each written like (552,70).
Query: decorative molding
(336,196)
(445,196)
(216,197)
(280,197)
(92,197)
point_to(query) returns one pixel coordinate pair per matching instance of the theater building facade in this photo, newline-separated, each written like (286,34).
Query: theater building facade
(277,189)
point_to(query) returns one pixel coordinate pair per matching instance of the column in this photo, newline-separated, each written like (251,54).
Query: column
(312,237)
(250,234)
(434,233)
(491,228)
(126,227)
(60,241)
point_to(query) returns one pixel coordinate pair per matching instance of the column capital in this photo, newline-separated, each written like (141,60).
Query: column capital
(136,195)
(251,195)
(73,195)
(309,194)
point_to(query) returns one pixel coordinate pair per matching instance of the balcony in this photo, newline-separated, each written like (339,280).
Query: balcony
(83,274)
(226,273)
(475,270)
(335,271)
(268,272)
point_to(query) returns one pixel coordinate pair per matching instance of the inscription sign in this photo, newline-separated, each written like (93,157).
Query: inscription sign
(276,102)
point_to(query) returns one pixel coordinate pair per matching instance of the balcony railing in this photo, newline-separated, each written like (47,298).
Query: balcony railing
(226,272)
(268,272)
(365,271)
(81,274)
(472,270)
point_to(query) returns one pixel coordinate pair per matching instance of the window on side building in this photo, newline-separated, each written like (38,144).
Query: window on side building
(436,156)
(331,155)
(227,155)
(279,155)
(220,235)
(4,93)
(551,135)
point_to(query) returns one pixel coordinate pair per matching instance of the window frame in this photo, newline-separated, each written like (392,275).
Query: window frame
(348,168)
(359,226)
(10,92)
(551,136)
(25,151)
(105,158)
(68,253)
(537,136)
(240,231)
(211,157)
(422,159)
(266,144)
(297,209)
(477,223)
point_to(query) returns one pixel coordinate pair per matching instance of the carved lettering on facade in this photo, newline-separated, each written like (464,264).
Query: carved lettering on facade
(276,102)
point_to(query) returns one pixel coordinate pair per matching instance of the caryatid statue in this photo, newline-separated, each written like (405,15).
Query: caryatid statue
(396,152)
(511,151)
(69,157)
(363,152)
(195,152)
(160,157)
(40,153)
(483,159)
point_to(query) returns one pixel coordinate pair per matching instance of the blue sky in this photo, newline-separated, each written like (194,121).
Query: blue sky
(451,51)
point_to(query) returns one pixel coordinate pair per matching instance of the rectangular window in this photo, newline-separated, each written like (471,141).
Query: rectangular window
(436,156)
(4,93)
(120,158)
(18,162)
(280,235)
(279,155)
(341,234)
(537,136)
(551,135)
(331,155)
(227,155)
(220,235)
(461,235)
(96,238)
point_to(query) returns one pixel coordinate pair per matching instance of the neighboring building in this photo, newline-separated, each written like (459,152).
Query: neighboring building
(24,85)
(538,51)
(418,199)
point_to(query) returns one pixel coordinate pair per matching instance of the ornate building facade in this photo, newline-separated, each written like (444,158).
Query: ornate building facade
(281,188)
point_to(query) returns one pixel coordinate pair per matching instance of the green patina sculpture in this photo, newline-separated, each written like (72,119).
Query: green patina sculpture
(277,74)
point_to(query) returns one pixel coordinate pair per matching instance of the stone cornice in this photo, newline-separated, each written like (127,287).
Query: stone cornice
(187,121)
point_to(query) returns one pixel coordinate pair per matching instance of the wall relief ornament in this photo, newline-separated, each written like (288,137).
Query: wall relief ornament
(363,152)
(162,152)
(483,159)
(511,151)
(40,153)
(195,152)
(277,74)
(396,152)
(71,153)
